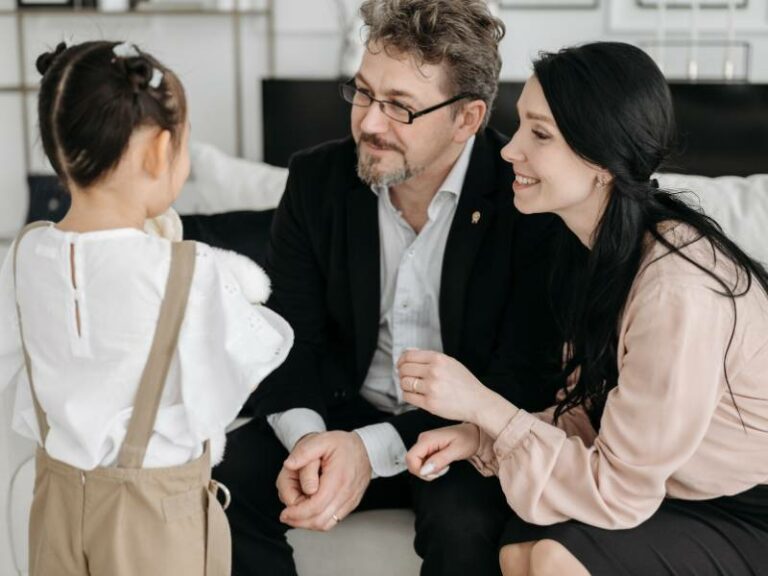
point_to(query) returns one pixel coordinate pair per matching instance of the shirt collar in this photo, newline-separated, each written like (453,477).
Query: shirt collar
(454,182)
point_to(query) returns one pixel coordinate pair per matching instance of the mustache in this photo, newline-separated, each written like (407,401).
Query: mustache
(380,143)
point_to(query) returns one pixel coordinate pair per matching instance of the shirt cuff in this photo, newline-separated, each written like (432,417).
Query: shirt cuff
(290,426)
(385,448)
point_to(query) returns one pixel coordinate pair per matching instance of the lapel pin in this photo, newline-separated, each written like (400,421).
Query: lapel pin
(475,217)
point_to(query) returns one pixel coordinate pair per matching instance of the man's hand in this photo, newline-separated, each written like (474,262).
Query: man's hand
(294,486)
(339,463)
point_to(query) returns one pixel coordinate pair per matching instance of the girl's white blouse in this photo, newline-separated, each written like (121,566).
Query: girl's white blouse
(86,377)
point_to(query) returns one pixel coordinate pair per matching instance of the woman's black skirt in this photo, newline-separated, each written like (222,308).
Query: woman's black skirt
(725,536)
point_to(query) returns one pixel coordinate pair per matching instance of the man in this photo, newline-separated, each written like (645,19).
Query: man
(404,235)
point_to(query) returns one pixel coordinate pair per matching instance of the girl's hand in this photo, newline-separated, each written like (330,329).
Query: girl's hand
(435,450)
(441,385)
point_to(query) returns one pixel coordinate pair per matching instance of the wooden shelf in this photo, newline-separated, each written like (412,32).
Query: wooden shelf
(17,89)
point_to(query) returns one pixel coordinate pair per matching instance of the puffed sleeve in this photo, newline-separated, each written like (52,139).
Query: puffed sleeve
(227,346)
(670,381)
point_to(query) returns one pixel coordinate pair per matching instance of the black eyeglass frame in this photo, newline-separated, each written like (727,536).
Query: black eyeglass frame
(411,115)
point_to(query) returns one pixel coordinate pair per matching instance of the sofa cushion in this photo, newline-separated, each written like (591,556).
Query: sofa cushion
(739,205)
(222,183)
(373,542)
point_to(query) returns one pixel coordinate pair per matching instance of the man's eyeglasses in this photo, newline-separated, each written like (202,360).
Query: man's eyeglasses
(393,110)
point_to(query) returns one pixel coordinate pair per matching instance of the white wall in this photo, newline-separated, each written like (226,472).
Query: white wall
(307,44)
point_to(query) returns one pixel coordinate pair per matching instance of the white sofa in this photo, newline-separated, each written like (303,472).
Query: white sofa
(376,543)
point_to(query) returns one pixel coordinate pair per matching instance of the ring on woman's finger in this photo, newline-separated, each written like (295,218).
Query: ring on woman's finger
(336,518)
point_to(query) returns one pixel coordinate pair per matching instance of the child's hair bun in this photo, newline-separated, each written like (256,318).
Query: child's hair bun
(46,59)
(139,71)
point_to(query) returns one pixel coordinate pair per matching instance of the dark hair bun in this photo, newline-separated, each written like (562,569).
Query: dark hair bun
(139,71)
(46,60)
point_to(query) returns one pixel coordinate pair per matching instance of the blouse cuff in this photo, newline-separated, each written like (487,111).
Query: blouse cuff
(517,429)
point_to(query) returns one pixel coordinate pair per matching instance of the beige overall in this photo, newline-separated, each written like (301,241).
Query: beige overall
(131,520)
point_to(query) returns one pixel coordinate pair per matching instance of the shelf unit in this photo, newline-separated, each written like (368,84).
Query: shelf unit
(235,15)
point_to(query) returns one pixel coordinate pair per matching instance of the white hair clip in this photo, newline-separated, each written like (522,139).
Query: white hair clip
(157,78)
(125,50)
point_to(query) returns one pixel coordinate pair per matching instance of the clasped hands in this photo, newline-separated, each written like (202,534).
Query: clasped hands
(323,479)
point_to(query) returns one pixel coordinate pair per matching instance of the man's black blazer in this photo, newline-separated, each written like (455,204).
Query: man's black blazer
(323,260)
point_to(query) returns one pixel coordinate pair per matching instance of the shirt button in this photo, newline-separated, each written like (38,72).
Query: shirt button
(411,253)
(405,304)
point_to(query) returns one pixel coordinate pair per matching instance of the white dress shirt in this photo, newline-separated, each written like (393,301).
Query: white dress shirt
(409,317)
(86,373)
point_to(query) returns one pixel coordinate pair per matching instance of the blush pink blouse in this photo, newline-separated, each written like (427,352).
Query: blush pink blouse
(670,427)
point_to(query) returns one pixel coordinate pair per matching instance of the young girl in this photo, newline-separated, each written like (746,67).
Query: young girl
(139,351)
(655,459)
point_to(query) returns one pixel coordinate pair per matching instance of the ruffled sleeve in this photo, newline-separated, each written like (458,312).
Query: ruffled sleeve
(227,346)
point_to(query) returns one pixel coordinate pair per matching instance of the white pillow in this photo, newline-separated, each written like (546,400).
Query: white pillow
(222,183)
(740,206)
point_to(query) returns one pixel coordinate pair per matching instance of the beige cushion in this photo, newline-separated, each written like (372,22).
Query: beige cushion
(370,543)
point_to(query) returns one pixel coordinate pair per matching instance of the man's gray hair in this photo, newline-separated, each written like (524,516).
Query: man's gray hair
(462,34)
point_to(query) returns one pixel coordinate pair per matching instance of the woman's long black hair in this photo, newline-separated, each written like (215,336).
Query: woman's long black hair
(613,107)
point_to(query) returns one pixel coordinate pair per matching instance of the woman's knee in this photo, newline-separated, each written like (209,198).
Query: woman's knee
(550,558)
(514,559)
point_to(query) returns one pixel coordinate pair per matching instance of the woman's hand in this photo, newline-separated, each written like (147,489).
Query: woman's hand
(435,450)
(441,385)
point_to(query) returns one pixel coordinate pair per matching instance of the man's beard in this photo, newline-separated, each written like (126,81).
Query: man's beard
(367,165)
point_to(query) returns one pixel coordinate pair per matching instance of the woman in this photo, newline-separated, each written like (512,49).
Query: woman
(655,458)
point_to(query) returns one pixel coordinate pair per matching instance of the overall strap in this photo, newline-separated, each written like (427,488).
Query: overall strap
(163,348)
(42,421)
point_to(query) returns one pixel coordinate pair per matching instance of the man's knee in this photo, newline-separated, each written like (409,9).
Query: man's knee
(460,527)
(459,519)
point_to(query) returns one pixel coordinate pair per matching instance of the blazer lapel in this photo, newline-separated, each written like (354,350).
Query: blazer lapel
(474,214)
(364,270)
